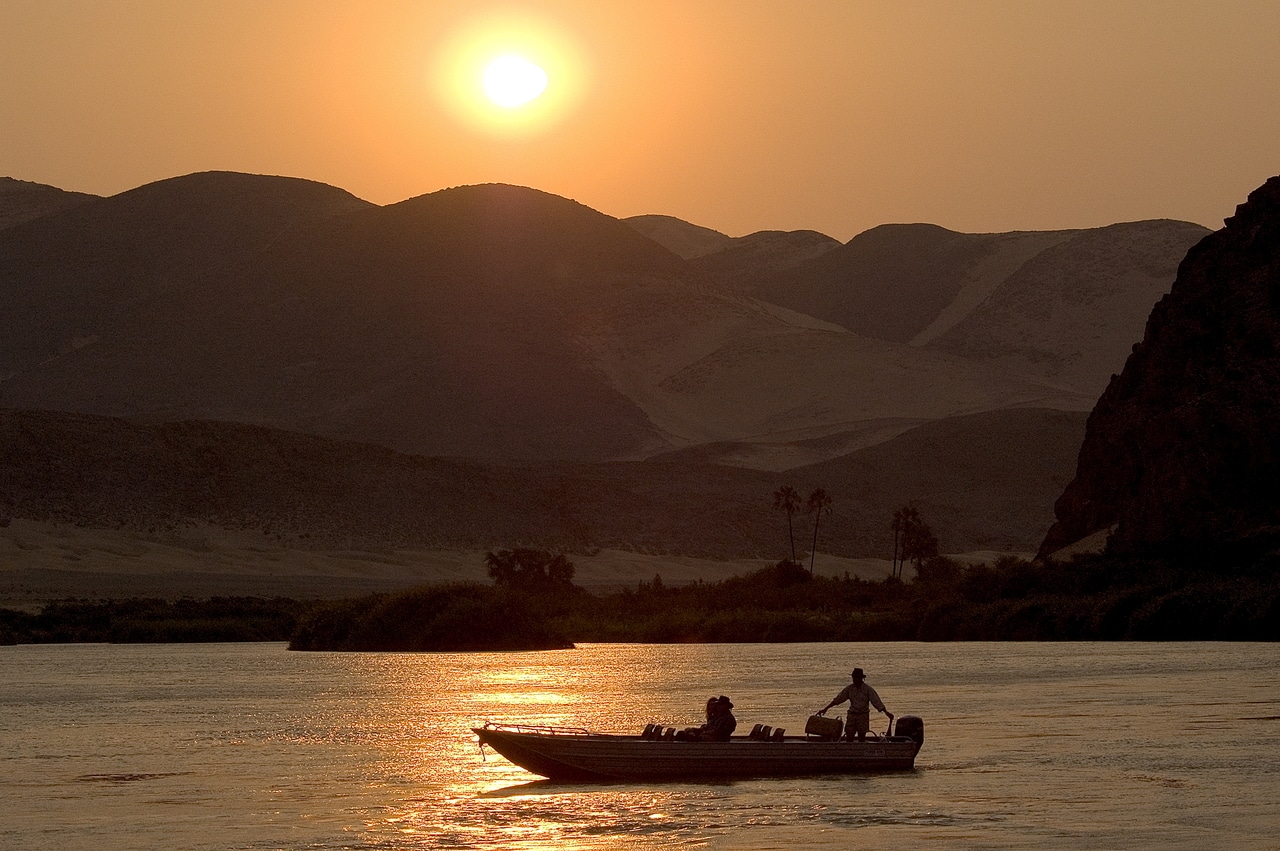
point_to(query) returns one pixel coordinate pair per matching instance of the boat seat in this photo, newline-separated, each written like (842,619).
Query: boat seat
(669,733)
(765,731)
(649,730)
(777,734)
(755,732)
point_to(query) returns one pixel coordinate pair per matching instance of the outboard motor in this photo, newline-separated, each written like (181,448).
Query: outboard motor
(912,726)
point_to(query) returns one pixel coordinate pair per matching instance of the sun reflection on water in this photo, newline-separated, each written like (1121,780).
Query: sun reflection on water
(439,791)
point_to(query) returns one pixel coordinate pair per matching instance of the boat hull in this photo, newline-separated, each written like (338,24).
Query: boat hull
(583,756)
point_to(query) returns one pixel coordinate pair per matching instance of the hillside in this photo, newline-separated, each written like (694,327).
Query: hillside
(680,237)
(487,322)
(1071,314)
(1063,307)
(984,482)
(22,200)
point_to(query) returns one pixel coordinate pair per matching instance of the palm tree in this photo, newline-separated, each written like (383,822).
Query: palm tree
(905,519)
(919,544)
(787,498)
(819,503)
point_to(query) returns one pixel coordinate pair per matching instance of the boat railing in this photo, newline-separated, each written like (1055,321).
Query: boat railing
(541,729)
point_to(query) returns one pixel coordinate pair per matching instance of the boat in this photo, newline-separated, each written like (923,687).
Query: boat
(579,755)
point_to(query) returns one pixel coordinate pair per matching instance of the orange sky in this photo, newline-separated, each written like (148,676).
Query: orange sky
(739,115)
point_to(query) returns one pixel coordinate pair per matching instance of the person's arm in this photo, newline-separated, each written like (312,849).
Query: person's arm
(839,698)
(878,703)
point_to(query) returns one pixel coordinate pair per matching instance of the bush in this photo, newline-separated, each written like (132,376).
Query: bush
(458,617)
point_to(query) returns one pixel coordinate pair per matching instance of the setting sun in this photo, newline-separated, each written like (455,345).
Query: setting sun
(509,74)
(511,81)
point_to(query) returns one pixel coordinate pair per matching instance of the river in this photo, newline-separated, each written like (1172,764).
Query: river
(250,746)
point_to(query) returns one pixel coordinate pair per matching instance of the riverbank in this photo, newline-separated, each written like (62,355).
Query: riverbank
(1093,598)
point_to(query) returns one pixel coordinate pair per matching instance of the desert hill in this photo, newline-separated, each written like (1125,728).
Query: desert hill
(1180,456)
(312,493)
(23,200)
(680,237)
(487,321)
(977,479)
(760,254)
(434,325)
(92,292)
(1070,314)
(733,261)
(1062,306)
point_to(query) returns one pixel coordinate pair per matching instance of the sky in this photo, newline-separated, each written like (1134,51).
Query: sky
(738,115)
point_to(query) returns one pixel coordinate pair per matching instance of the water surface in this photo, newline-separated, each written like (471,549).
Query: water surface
(249,746)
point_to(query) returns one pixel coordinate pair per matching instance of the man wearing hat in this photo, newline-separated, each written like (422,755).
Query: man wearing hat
(861,698)
(720,723)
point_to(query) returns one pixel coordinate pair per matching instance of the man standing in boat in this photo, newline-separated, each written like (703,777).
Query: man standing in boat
(861,698)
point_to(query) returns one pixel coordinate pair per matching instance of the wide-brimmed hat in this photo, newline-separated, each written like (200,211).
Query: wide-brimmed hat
(858,675)
(726,702)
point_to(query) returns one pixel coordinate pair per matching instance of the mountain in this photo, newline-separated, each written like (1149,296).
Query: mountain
(735,261)
(486,321)
(1182,452)
(1063,307)
(680,237)
(758,255)
(1070,314)
(22,200)
(87,287)
(432,325)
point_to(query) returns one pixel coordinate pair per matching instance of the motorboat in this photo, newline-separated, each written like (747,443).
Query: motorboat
(577,754)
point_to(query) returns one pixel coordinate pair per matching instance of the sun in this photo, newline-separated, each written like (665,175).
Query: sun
(510,74)
(512,81)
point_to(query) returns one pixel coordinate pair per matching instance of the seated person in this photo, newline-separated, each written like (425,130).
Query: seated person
(719,726)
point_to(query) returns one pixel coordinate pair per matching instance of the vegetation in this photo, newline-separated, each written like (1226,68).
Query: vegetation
(787,499)
(1097,598)
(913,540)
(530,570)
(819,503)
(532,587)
(457,617)
(154,621)
(1094,598)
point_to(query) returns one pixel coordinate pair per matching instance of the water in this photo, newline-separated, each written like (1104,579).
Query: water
(250,746)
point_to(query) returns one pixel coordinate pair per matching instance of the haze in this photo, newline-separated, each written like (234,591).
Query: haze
(736,115)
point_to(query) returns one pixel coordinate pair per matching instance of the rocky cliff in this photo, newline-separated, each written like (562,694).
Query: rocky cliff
(1182,452)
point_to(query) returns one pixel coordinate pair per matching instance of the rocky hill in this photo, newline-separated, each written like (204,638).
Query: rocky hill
(1182,452)
(23,200)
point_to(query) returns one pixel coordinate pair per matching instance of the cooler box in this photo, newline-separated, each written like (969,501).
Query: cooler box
(827,728)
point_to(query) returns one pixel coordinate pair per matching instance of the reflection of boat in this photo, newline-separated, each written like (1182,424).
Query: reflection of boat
(563,753)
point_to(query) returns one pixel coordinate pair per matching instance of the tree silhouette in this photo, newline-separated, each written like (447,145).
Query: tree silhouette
(819,503)
(913,540)
(787,498)
(530,569)
(903,518)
